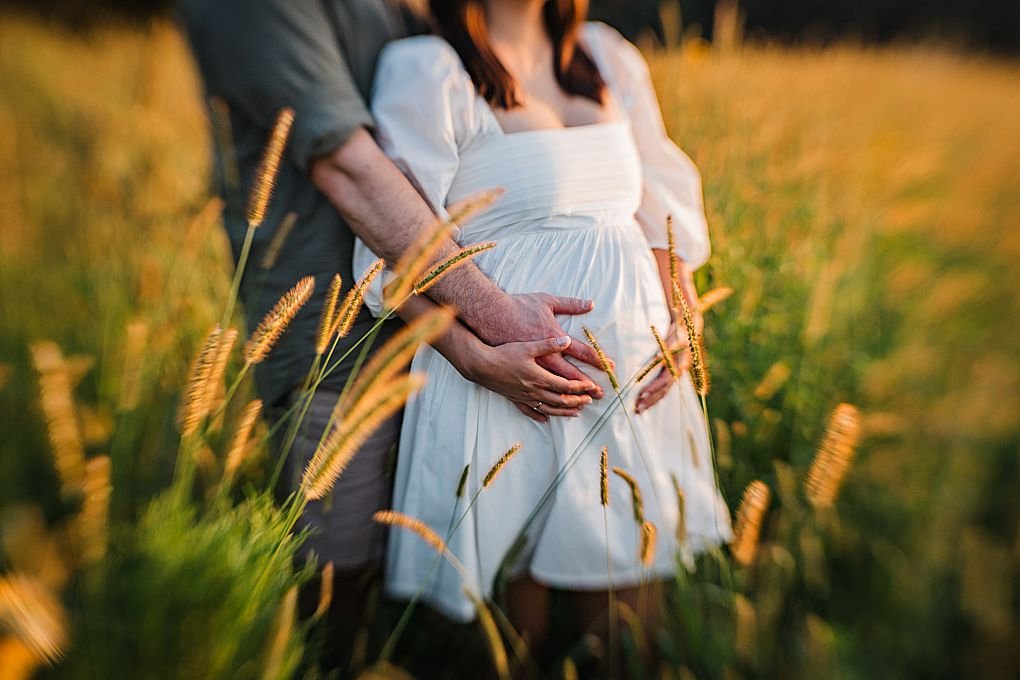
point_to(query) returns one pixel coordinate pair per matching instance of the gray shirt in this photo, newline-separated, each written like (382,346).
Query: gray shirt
(318,57)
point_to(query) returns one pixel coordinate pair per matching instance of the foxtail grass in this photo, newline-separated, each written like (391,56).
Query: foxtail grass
(492,637)
(835,454)
(666,355)
(603,359)
(699,368)
(57,401)
(276,321)
(348,312)
(196,402)
(458,259)
(636,501)
(494,471)
(241,442)
(91,522)
(750,516)
(329,313)
(414,525)
(649,534)
(34,614)
(713,297)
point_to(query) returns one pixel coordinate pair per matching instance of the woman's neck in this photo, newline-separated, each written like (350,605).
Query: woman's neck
(518,34)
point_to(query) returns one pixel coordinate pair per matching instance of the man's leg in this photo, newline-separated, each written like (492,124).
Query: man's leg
(343,531)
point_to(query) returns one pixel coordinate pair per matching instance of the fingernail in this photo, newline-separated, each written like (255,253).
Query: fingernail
(563,341)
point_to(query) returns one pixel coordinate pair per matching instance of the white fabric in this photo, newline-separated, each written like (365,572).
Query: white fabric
(566,225)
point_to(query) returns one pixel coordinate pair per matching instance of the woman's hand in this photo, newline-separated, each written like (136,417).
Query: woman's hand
(512,370)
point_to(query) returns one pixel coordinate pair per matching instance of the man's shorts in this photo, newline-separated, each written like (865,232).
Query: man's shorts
(343,531)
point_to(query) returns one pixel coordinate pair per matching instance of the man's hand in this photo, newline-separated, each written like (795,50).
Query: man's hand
(532,316)
(512,369)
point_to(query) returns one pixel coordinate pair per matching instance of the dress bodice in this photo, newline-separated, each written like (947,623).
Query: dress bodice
(575,177)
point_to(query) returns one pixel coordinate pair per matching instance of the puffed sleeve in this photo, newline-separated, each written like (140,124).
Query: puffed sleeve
(423,108)
(672,183)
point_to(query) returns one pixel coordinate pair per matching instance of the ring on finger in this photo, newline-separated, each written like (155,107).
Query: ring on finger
(538,407)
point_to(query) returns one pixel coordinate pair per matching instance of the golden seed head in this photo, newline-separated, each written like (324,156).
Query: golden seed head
(34,615)
(344,320)
(329,314)
(462,483)
(750,515)
(325,591)
(396,354)
(269,167)
(604,476)
(635,494)
(665,354)
(56,397)
(276,321)
(490,476)
(91,522)
(603,359)
(367,414)
(398,519)
(835,454)
(699,365)
(648,538)
(681,523)
(714,297)
(218,366)
(444,267)
(196,403)
(671,245)
(240,444)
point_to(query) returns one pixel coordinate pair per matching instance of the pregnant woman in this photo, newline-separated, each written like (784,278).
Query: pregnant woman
(561,114)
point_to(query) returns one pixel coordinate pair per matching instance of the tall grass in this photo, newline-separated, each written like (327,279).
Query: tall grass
(863,208)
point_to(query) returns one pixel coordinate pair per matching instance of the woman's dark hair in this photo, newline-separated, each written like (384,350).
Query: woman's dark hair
(462,23)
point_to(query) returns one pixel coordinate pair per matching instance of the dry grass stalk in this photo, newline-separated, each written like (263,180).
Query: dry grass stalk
(34,615)
(773,381)
(750,515)
(240,444)
(681,519)
(713,297)
(424,531)
(462,483)
(91,522)
(648,538)
(279,238)
(348,312)
(835,454)
(666,356)
(603,359)
(136,342)
(396,354)
(329,315)
(283,629)
(490,476)
(422,252)
(223,135)
(339,448)
(57,401)
(276,321)
(325,591)
(492,636)
(441,269)
(635,494)
(699,367)
(195,405)
(604,476)
(269,168)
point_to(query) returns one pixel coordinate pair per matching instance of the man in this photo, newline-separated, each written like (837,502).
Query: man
(318,57)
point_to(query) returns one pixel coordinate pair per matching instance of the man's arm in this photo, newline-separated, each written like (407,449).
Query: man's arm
(382,207)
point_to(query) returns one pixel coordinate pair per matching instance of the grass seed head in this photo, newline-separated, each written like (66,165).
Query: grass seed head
(637,503)
(276,321)
(604,476)
(441,269)
(412,524)
(490,476)
(648,539)
(750,515)
(34,615)
(835,454)
(345,317)
(603,359)
(329,315)
(240,444)
(269,167)
(56,397)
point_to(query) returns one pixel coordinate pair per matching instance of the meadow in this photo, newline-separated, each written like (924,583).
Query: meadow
(863,206)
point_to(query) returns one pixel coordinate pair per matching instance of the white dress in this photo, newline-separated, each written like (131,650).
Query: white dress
(582,209)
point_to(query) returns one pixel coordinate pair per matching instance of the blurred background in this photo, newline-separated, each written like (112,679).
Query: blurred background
(862,177)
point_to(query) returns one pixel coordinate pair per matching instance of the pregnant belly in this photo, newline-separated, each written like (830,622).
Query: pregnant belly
(612,266)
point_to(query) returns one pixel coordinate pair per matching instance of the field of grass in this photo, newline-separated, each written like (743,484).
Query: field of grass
(864,208)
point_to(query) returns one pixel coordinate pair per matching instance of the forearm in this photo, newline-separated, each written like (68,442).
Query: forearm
(388,214)
(458,344)
(685,278)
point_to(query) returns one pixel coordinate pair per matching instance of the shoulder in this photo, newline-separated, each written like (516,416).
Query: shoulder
(421,55)
(612,50)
